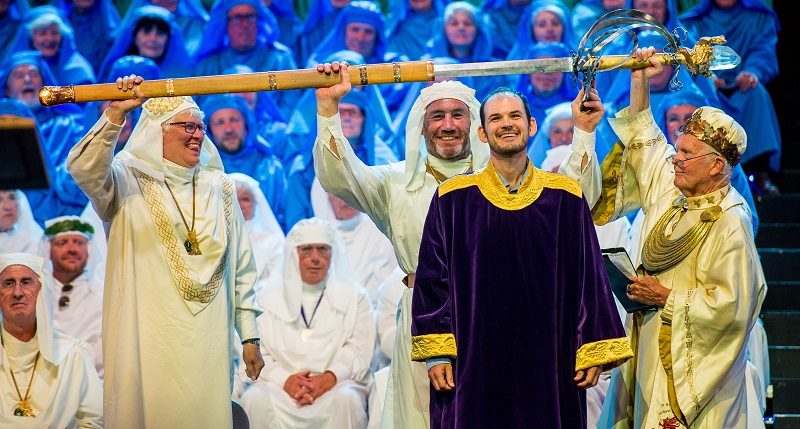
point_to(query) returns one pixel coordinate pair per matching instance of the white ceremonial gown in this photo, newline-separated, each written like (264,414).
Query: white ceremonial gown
(168,359)
(342,342)
(65,394)
(25,235)
(717,291)
(83,317)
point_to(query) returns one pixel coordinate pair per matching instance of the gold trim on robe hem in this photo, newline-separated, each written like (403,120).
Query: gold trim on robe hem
(433,345)
(607,354)
(497,194)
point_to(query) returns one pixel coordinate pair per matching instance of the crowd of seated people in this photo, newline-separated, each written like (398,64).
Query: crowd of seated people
(265,141)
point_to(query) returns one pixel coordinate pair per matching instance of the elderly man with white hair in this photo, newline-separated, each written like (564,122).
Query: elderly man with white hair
(78,291)
(47,377)
(319,334)
(441,142)
(699,268)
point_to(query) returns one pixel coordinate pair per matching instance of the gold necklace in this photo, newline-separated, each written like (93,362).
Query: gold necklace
(191,244)
(660,253)
(438,175)
(24,406)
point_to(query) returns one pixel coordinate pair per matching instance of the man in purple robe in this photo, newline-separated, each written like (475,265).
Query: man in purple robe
(511,294)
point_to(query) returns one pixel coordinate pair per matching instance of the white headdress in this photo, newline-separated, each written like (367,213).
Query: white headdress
(44,303)
(263,217)
(416,152)
(146,143)
(283,293)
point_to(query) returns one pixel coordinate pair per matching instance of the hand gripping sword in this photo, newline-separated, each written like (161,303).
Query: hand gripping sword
(707,55)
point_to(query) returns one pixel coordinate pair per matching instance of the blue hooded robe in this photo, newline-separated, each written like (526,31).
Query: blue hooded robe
(408,32)
(190,15)
(93,29)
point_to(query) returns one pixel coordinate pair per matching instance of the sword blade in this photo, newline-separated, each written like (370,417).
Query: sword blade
(541,65)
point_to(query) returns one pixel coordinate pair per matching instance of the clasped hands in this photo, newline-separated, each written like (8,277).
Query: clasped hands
(305,388)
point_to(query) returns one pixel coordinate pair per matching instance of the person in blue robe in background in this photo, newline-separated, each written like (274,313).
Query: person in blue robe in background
(94,23)
(233,129)
(245,32)
(674,110)
(302,128)
(584,15)
(44,203)
(151,32)
(289,24)
(321,16)
(11,14)
(45,29)
(464,33)
(751,30)
(545,90)
(353,108)
(506,17)
(410,26)
(543,21)
(271,121)
(190,15)
(360,27)
(22,75)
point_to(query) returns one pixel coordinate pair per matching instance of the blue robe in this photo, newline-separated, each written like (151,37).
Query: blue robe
(408,32)
(320,19)
(513,288)
(62,125)
(750,29)
(215,54)
(176,61)
(68,66)
(255,158)
(524,36)
(94,29)
(482,48)
(9,23)
(191,16)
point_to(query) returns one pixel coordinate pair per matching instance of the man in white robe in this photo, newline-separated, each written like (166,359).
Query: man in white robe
(48,380)
(180,271)
(701,271)
(319,334)
(441,141)
(77,297)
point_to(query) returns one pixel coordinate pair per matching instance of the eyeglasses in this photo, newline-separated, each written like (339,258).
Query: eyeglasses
(190,127)
(324,251)
(243,18)
(682,162)
(64,300)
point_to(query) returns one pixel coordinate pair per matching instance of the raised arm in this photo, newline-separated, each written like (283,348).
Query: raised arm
(89,161)
(581,164)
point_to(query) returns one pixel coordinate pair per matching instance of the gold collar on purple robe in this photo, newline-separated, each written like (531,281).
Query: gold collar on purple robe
(497,194)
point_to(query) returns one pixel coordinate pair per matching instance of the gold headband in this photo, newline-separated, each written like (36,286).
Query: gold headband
(717,138)
(159,106)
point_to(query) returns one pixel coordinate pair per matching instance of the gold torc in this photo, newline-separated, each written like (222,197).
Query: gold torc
(661,253)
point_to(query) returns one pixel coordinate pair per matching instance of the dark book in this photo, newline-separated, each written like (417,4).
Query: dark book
(620,268)
(23,160)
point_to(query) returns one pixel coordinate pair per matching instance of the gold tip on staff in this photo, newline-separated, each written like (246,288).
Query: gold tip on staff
(399,72)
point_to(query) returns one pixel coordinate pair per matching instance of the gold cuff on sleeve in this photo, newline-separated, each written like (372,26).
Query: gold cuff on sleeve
(433,345)
(607,354)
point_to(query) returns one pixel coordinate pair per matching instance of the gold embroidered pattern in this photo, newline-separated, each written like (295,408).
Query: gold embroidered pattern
(607,354)
(159,106)
(175,257)
(689,350)
(603,210)
(433,345)
(646,143)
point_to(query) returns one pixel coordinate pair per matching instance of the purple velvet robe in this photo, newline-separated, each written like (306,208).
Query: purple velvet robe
(519,281)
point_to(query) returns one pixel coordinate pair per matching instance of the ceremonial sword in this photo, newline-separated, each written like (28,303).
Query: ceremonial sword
(707,55)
